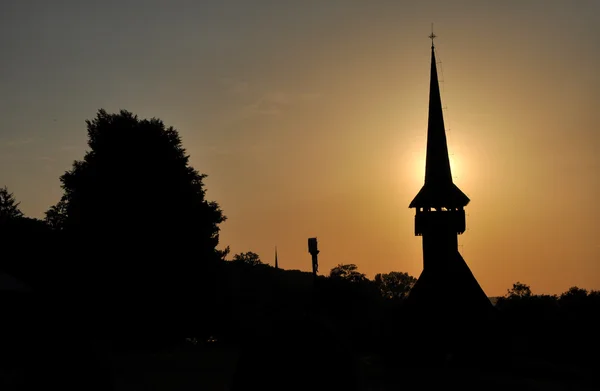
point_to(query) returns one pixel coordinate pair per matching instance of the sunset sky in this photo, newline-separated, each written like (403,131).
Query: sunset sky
(310,118)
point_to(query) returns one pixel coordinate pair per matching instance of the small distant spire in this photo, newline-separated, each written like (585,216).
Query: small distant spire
(276,263)
(432,36)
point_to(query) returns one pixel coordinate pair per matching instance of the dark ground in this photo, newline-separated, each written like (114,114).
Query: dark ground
(217,367)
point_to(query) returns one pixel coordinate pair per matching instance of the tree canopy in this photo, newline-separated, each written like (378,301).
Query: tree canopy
(248,258)
(347,272)
(134,218)
(9,207)
(394,285)
(135,184)
(519,290)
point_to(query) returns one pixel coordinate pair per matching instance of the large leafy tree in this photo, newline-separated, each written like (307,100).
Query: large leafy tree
(136,181)
(134,211)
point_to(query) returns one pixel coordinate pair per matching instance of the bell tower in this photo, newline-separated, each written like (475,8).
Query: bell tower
(446,286)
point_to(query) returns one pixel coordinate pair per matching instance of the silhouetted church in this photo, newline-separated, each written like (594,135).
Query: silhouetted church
(446,289)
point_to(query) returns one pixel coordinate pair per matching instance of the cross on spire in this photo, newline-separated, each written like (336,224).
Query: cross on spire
(432,35)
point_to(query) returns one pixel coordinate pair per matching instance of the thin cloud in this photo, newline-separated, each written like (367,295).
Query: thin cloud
(47,159)
(276,103)
(18,142)
(68,148)
(212,150)
(235,87)
(264,106)
(264,102)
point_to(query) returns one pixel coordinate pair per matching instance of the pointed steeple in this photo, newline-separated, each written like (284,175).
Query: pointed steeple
(276,263)
(439,190)
(446,288)
(437,165)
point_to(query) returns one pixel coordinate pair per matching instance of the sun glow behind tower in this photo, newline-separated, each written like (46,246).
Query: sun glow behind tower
(413,173)
(338,91)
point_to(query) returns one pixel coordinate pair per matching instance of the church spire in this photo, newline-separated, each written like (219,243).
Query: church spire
(276,263)
(437,166)
(438,190)
(439,219)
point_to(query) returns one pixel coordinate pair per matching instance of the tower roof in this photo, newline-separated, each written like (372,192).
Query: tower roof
(438,190)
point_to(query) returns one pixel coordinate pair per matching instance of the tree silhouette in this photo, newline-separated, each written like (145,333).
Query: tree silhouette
(519,290)
(137,177)
(26,240)
(347,272)
(576,302)
(574,294)
(13,221)
(134,211)
(394,285)
(248,258)
(56,216)
(9,207)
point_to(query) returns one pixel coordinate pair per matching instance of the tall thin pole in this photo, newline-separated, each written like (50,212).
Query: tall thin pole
(314,252)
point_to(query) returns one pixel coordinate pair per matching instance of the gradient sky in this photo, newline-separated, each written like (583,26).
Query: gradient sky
(310,119)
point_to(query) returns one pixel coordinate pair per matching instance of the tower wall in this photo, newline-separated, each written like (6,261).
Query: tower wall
(439,229)
(438,250)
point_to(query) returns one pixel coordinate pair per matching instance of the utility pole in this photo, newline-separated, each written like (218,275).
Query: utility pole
(314,252)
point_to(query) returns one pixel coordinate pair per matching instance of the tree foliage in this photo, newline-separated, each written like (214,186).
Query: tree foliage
(519,290)
(347,272)
(394,285)
(135,185)
(137,232)
(248,258)
(26,240)
(56,215)
(550,325)
(574,294)
(9,207)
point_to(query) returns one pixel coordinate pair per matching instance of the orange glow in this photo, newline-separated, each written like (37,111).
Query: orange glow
(311,122)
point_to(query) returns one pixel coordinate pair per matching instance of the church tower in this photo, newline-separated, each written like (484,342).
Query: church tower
(446,287)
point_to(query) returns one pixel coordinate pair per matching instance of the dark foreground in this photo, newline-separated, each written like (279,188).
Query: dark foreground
(213,366)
